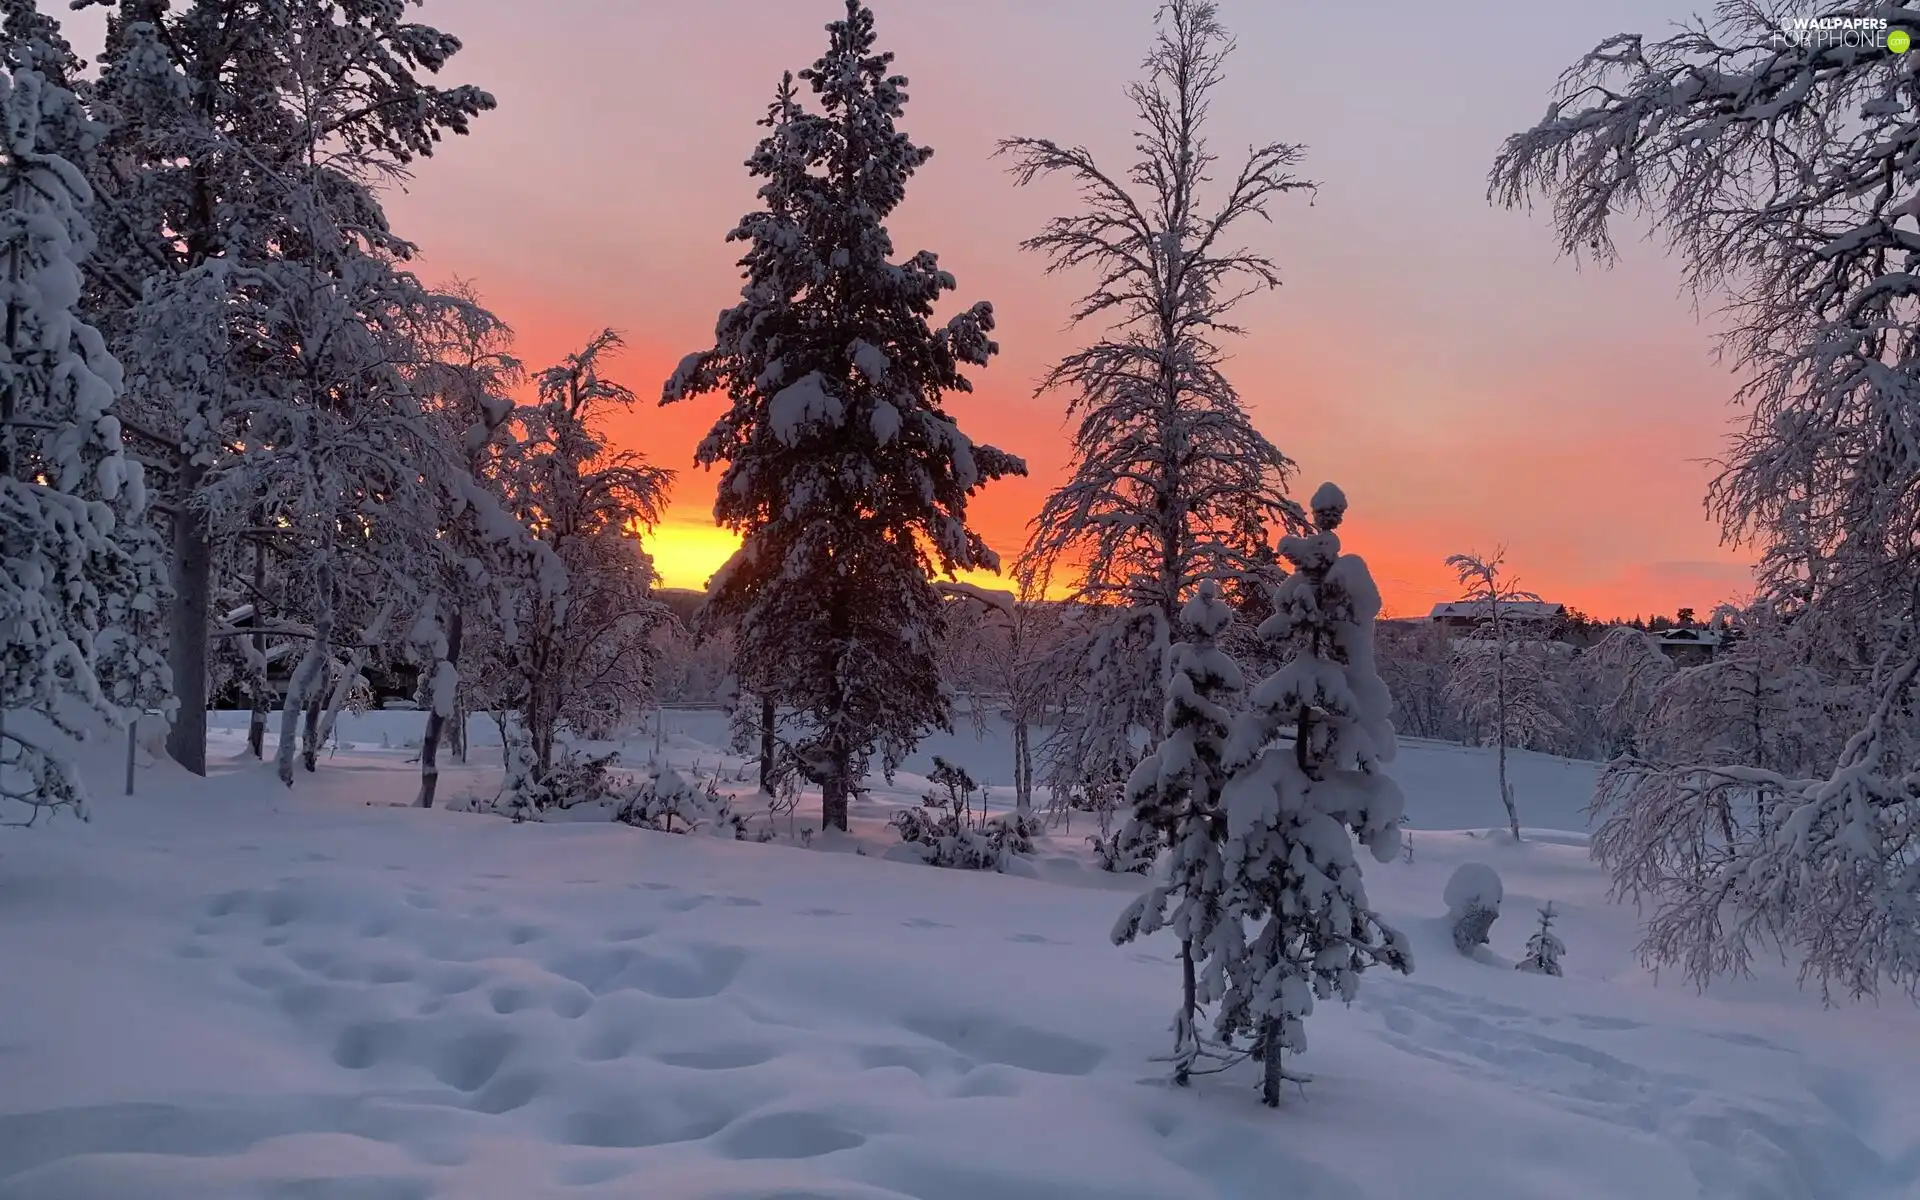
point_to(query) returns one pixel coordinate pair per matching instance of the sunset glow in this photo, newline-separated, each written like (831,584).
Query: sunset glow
(1466,387)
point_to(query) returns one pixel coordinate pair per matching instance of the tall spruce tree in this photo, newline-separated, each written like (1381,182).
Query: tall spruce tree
(845,475)
(81,575)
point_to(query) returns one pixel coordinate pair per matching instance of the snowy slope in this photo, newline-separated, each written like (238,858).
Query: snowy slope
(223,990)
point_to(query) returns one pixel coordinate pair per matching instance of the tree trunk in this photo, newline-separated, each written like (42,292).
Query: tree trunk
(835,795)
(457,734)
(768,715)
(1270,1062)
(1506,791)
(303,689)
(1500,701)
(187,632)
(311,733)
(305,679)
(1022,768)
(436,719)
(372,635)
(257,721)
(1187,1038)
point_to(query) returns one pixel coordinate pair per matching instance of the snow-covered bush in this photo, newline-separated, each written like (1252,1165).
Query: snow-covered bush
(1544,948)
(668,803)
(1129,848)
(947,836)
(576,779)
(1473,904)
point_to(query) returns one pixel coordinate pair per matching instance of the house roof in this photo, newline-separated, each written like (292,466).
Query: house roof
(1691,636)
(1473,610)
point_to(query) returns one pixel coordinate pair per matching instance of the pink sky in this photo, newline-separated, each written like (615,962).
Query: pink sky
(1428,353)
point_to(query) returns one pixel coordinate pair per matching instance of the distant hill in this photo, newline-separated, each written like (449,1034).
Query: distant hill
(684,602)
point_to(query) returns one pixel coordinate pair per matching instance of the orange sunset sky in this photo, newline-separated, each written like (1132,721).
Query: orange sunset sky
(1427,352)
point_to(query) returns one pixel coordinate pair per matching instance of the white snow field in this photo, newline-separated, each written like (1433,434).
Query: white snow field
(224,989)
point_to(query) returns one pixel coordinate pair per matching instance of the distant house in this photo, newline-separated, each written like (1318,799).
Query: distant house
(1467,615)
(1689,644)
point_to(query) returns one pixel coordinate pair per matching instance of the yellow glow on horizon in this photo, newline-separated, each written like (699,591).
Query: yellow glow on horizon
(686,553)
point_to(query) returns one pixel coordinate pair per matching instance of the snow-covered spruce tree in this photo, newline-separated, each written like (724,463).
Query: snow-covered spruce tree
(1170,483)
(1503,685)
(1294,808)
(1824,329)
(1544,948)
(1175,793)
(845,475)
(236,191)
(81,576)
(582,658)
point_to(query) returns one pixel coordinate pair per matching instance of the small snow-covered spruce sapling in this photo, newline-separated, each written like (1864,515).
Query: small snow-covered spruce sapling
(845,474)
(1175,792)
(1473,898)
(1544,948)
(1294,806)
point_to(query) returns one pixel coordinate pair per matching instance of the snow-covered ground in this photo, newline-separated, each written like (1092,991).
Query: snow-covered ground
(220,989)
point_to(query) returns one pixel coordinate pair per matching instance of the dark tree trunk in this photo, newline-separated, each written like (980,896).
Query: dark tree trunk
(437,723)
(457,732)
(187,632)
(768,716)
(1190,1005)
(257,721)
(835,794)
(310,734)
(1270,1062)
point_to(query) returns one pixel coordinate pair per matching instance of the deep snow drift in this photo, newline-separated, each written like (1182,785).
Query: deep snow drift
(223,989)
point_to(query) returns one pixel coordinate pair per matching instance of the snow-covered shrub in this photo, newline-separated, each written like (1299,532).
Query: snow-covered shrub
(947,837)
(577,779)
(957,788)
(523,794)
(1129,848)
(1473,904)
(1544,948)
(668,803)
